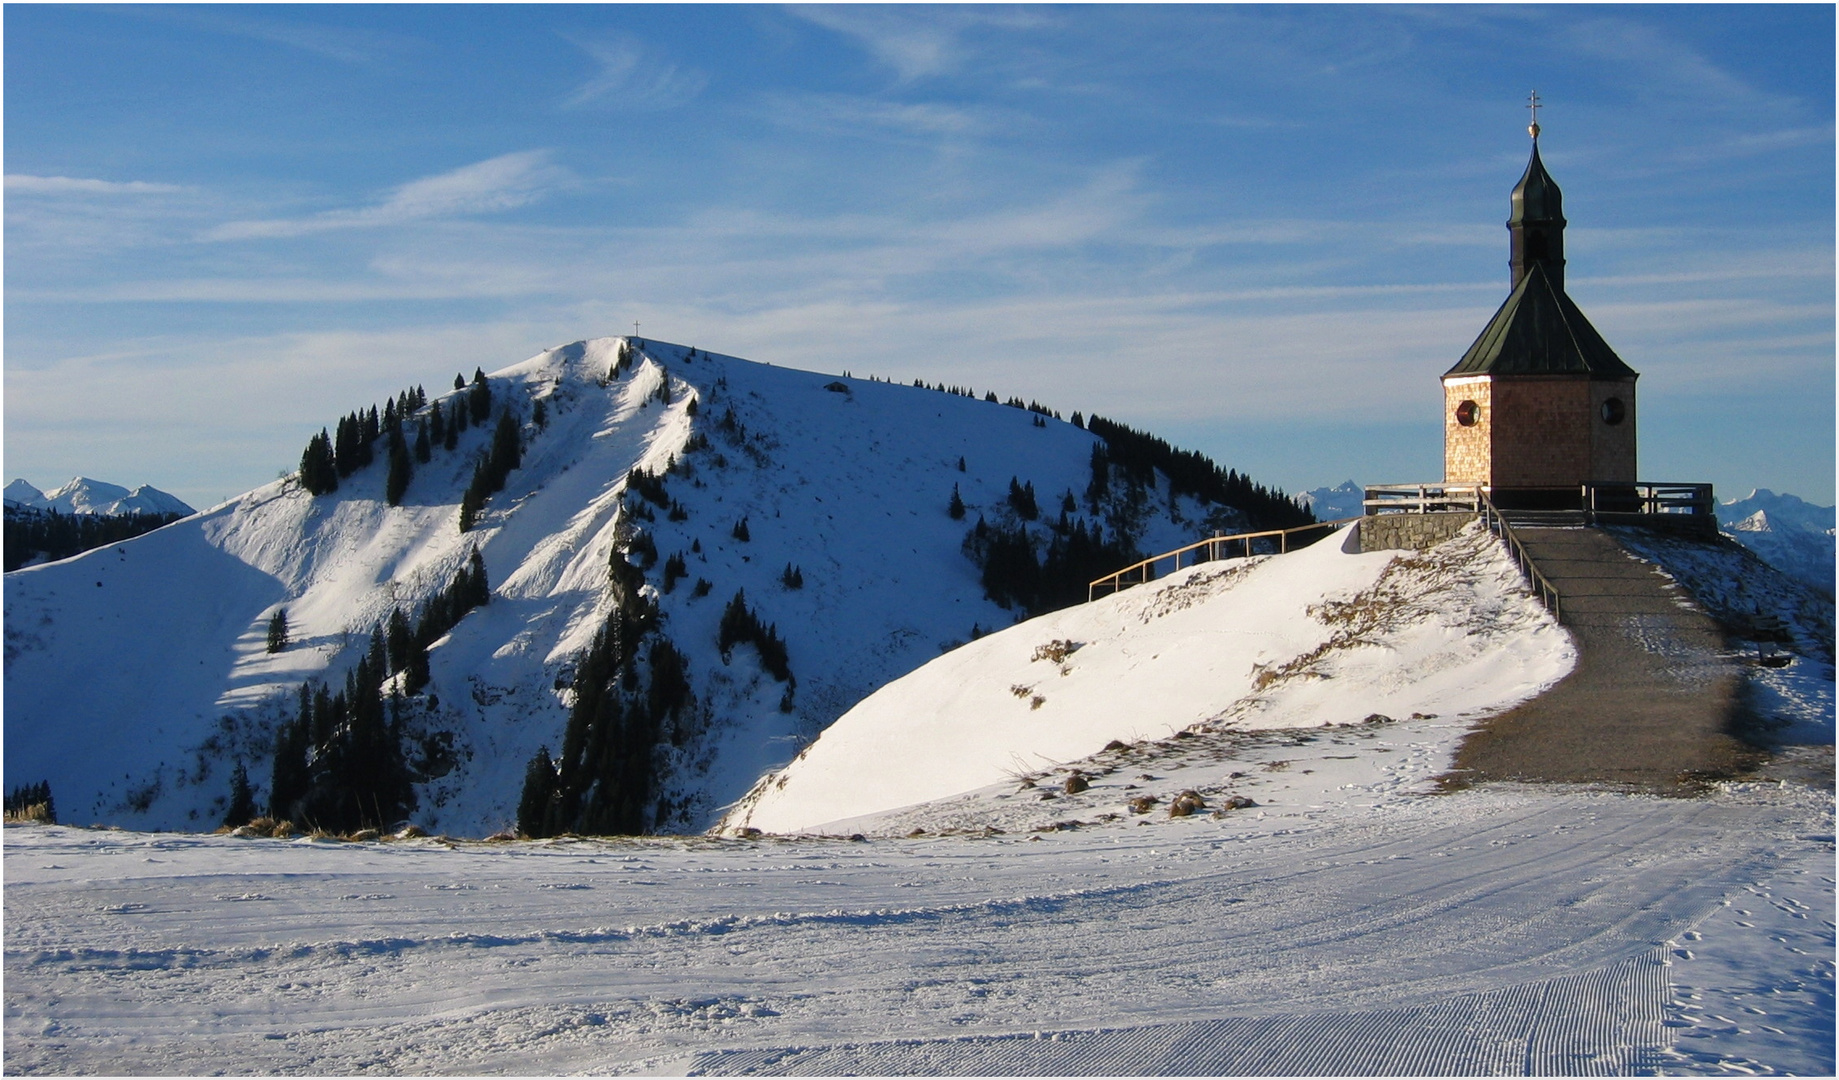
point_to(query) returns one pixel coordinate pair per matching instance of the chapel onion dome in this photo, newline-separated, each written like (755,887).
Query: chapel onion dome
(1536,198)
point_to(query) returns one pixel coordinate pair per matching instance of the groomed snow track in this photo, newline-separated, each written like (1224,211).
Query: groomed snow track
(1509,932)
(1600,1023)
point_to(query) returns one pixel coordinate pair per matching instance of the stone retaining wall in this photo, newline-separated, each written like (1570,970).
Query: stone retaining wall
(1410,532)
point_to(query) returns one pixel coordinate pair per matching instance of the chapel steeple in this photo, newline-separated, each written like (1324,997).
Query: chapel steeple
(1537,222)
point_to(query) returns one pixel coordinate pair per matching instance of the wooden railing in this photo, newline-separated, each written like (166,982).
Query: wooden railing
(1649,498)
(1216,548)
(1541,586)
(1593,503)
(1422,498)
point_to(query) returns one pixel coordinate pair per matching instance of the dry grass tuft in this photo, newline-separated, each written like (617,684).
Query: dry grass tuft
(1056,650)
(1186,803)
(37,813)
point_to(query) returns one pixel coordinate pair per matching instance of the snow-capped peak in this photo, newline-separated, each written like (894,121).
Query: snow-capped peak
(21,493)
(1792,534)
(1344,500)
(82,495)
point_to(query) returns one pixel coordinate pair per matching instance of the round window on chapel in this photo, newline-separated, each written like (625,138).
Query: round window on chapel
(1614,411)
(1468,413)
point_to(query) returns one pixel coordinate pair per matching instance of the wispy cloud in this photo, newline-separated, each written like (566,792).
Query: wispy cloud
(1657,64)
(916,42)
(24,184)
(631,76)
(500,183)
(345,44)
(844,114)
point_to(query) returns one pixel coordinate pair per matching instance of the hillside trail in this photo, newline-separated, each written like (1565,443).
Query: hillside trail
(1653,698)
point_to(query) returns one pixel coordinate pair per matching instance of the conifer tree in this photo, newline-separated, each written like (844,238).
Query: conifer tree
(345,445)
(507,448)
(288,784)
(956,507)
(533,808)
(437,427)
(242,799)
(470,505)
(479,398)
(480,590)
(318,471)
(401,468)
(399,641)
(424,449)
(277,631)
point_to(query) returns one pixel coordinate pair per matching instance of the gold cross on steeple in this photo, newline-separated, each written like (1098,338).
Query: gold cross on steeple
(1532,103)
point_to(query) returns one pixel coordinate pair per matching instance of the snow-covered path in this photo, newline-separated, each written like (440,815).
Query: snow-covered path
(1486,931)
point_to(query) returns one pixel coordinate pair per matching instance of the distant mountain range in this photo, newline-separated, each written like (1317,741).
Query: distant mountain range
(1793,535)
(85,496)
(1333,503)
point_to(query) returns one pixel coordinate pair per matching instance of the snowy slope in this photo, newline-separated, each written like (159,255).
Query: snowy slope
(135,674)
(1788,532)
(1317,637)
(85,496)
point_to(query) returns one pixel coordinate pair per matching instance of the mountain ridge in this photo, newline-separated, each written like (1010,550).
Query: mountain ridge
(846,481)
(82,495)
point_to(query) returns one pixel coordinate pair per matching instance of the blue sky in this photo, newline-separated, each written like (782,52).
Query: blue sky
(1262,232)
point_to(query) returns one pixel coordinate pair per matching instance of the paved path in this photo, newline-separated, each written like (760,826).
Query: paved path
(1654,693)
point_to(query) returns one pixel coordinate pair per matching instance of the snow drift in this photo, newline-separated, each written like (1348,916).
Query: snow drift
(1321,636)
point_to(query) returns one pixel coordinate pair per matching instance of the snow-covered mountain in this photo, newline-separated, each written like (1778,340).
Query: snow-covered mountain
(1793,535)
(136,674)
(1344,500)
(85,496)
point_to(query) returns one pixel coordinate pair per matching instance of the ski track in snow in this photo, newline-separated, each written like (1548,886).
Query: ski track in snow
(1503,931)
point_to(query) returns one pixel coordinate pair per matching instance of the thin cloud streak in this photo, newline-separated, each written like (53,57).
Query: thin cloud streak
(630,76)
(497,184)
(25,184)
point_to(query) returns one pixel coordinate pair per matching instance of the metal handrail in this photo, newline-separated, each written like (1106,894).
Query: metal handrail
(1115,582)
(1546,591)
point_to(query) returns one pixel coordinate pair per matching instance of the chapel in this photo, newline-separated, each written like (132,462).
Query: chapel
(1540,406)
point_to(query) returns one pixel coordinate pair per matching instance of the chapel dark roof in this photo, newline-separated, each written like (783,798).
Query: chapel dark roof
(1540,331)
